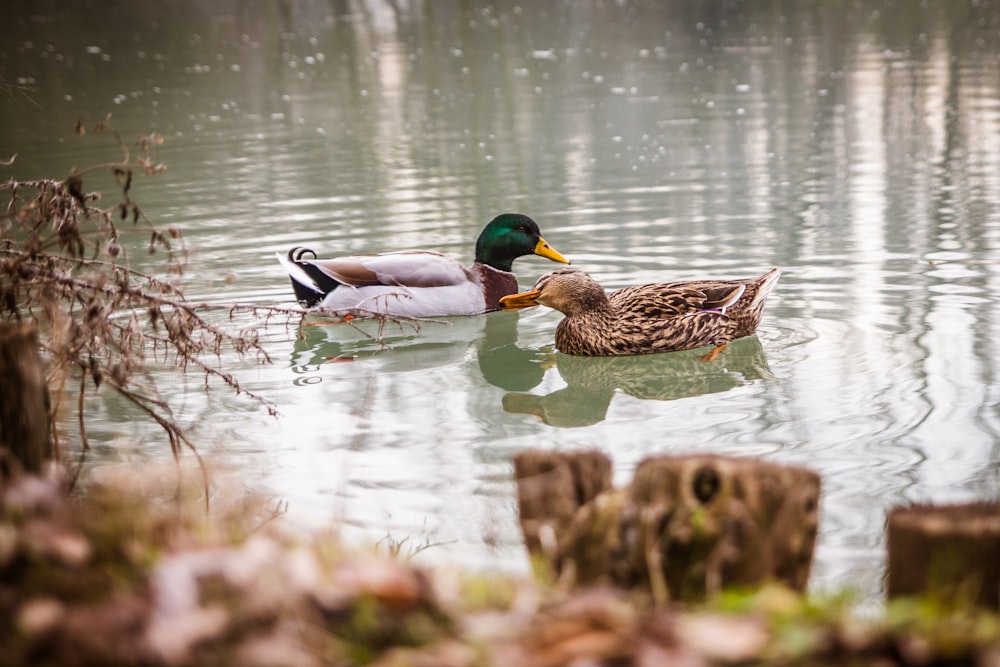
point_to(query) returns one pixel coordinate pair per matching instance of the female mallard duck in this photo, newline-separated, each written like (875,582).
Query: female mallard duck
(661,317)
(419,283)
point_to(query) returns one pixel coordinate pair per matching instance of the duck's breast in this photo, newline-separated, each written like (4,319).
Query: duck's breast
(494,284)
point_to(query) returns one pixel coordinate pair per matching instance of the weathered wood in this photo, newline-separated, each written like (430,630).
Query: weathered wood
(684,528)
(551,486)
(712,521)
(950,552)
(25,440)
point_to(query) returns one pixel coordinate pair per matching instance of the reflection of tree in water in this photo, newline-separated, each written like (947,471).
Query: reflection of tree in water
(591,382)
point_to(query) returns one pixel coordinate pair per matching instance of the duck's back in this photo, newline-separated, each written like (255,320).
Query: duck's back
(742,300)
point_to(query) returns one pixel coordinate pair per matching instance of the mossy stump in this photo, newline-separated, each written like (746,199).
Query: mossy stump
(684,528)
(947,552)
(565,481)
(25,440)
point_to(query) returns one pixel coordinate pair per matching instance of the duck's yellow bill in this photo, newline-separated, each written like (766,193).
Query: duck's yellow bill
(518,301)
(543,249)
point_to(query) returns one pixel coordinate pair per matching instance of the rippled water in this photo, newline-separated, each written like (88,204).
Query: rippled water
(854,144)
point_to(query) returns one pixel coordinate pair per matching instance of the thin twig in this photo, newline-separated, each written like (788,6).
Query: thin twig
(84,443)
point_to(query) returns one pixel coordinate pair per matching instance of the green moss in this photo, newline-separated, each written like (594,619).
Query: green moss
(369,628)
(950,629)
(480,592)
(699,523)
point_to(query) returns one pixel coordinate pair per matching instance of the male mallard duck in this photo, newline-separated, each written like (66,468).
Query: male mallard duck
(660,317)
(419,283)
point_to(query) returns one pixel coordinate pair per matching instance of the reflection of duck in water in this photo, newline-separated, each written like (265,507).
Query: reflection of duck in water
(419,283)
(504,364)
(418,345)
(659,317)
(395,346)
(591,382)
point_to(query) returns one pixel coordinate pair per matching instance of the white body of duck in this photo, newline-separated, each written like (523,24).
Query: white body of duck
(419,283)
(415,283)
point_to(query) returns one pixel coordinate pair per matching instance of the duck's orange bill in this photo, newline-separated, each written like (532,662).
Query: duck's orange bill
(543,249)
(522,300)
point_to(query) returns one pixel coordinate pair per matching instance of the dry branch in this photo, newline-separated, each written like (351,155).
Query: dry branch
(64,268)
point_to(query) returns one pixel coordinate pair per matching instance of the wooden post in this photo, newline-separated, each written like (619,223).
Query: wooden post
(711,521)
(551,487)
(684,528)
(25,439)
(950,552)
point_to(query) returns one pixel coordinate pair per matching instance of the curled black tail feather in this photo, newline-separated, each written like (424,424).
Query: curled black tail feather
(298,254)
(306,294)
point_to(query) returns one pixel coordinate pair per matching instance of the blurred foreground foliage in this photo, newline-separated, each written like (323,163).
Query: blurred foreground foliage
(137,573)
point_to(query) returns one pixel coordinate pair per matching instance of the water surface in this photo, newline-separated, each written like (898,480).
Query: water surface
(854,144)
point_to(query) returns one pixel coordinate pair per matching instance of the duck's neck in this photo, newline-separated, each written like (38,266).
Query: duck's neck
(497,257)
(495,284)
(590,331)
(603,319)
(592,305)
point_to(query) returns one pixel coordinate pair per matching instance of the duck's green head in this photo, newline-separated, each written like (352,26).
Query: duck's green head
(509,236)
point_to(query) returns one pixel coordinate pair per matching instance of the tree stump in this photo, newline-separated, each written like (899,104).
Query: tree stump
(685,527)
(949,552)
(24,417)
(551,487)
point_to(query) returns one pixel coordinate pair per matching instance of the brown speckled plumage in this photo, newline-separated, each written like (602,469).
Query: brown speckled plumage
(659,317)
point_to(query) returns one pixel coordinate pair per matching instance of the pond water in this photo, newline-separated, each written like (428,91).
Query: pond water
(854,144)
